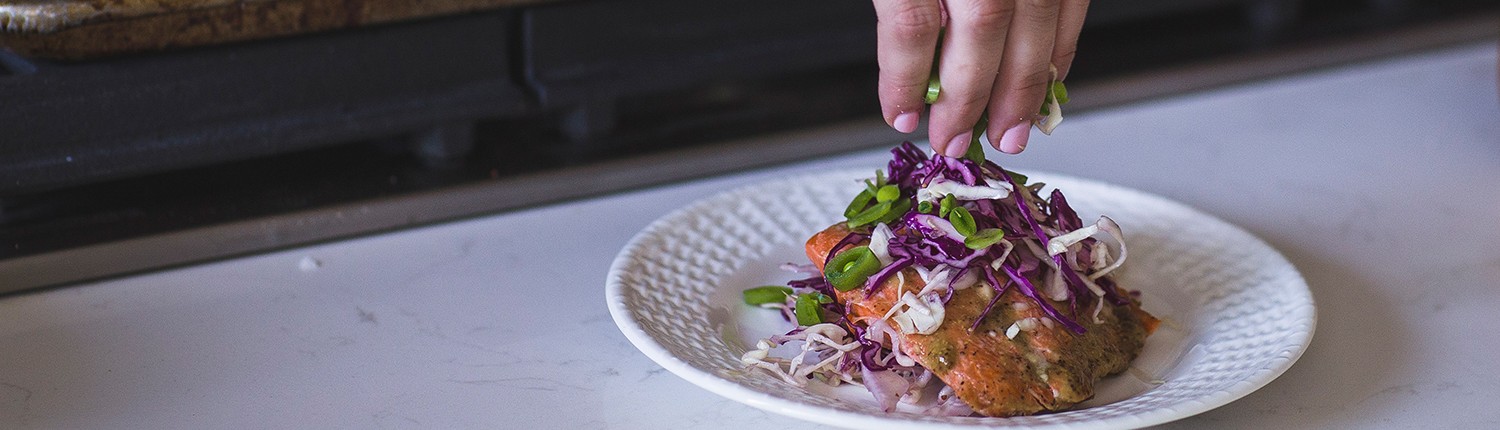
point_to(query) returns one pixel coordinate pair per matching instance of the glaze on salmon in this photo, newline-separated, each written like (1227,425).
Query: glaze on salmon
(1044,368)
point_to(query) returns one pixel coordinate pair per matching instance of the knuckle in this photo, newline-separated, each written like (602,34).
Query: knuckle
(903,94)
(1042,4)
(914,18)
(1064,57)
(990,14)
(971,102)
(1035,80)
(1065,54)
(902,79)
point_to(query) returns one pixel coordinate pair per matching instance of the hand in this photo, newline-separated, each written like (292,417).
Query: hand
(995,58)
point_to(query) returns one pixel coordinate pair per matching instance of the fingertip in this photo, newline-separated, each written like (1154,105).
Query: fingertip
(1013,141)
(937,145)
(959,145)
(906,122)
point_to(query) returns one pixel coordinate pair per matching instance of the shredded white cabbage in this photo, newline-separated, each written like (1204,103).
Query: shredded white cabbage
(1054,109)
(918,314)
(816,340)
(1060,244)
(1065,242)
(942,278)
(881,332)
(940,187)
(880,241)
(1110,227)
(1056,287)
(1007,248)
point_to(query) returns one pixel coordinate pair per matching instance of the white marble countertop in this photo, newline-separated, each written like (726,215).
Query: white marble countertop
(1380,181)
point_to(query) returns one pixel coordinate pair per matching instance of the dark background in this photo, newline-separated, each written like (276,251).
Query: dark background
(111,149)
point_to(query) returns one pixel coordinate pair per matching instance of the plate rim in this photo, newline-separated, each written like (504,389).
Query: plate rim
(644,342)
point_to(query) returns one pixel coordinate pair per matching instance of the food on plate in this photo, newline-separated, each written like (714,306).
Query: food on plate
(954,286)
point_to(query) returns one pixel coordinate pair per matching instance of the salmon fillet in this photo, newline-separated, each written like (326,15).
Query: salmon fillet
(1046,368)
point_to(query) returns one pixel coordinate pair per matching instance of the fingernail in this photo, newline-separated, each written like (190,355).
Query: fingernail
(959,145)
(1014,139)
(905,122)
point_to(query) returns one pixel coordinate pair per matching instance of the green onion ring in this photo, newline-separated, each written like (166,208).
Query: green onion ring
(850,269)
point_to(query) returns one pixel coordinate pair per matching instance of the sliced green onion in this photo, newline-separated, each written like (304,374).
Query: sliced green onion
(934,88)
(1055,92)
(976,149)
(887,193)
(850,269)
(875,185)
(924,207)
(881,212)
(870,215)
(962,221)
(1019,178)
(984,238)
(767,294)
(898,208)
(808,310)
(946,205)
(861,201)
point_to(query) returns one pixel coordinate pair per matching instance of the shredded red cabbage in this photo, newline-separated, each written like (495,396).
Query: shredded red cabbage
(928,240)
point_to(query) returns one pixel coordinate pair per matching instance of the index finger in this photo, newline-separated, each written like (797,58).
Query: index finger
(906,38)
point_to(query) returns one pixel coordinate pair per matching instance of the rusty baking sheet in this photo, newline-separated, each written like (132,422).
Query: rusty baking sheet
(81,29)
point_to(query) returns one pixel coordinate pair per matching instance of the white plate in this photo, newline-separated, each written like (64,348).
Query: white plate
(1236,313)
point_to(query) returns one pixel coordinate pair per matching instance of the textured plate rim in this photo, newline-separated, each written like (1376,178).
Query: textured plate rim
(1296,345)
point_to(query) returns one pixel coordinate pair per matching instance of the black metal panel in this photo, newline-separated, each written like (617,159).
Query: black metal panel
(581,51)
(65,124)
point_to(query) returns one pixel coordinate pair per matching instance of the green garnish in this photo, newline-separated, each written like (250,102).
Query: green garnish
(962,221)
(1019,178)
(946,205)
(976,149)
(934,88)
(870,214)
(861,201)
(899,208)
(882,212)
(850,269)
(924,207)
(984,238)
(887,193)
(767,294)
(879,182)
(1056,92)
(808,308)
(879,202)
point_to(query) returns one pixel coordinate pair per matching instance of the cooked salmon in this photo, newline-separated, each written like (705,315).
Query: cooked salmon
(1044,368)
